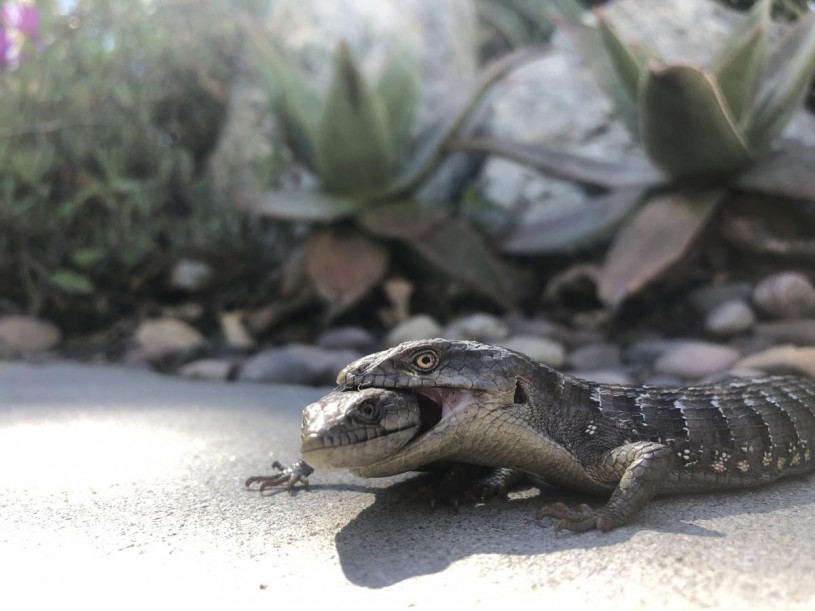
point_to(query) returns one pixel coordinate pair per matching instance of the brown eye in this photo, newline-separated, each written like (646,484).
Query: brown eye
(425,361)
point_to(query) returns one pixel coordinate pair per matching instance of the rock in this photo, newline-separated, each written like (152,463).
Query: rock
(234,331)
(190,275)
(27,335)
(478,327)
(207,369)
(799,332)
(158,337)
(297,364)
(599,356)
(605,376)
(730,318)
(694,360)
(782,360)
(646,351)
(707,298)
(546,351)
(539,327)
(785,295)
(353,338)
(416,327)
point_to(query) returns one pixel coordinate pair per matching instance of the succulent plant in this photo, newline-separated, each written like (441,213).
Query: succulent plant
(358,140)
(708,132)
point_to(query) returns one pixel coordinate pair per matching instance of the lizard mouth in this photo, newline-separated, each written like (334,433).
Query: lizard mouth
(430,410)
(439,403)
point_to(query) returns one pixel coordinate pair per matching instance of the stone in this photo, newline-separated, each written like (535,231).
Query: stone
(597,356)
(27,335)
(297,364)
(190,275)
(605,376)
(799,332)
(158,337)
(785,295)
(694,360)
(479,327)
(646,351)
(706,298)
(416,327)
(782,360)
(539,327)
(353,338)
(730,318)
(546,351)
(215,370)
(234,330)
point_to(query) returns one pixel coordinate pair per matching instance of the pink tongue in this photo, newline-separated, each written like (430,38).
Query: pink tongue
(450,399)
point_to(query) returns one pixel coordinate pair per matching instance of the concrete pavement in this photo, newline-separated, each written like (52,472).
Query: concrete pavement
(124,489)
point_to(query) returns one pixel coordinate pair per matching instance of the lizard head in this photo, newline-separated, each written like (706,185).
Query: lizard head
(347,429)
(434,363)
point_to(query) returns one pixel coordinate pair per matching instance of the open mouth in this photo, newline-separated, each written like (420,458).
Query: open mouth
(430,411)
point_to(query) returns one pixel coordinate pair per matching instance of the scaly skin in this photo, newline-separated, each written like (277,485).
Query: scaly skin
(503,410)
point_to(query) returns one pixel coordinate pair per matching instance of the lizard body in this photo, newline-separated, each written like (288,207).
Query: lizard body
(501,409)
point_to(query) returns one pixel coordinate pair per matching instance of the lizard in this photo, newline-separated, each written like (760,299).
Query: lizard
(501,409)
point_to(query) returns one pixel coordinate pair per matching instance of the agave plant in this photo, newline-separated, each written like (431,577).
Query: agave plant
(707,132)
(358,140)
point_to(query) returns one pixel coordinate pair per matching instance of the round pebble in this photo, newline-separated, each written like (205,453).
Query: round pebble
(546,351)
(162,336)
(416,327)
(695,360)
(597,356)
(785,295)
(730,318)
(25,334)
(479,327)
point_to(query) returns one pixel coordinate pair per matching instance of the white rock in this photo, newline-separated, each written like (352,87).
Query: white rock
(785,295)
(730,318)
(478,327)
(416,327)
(160,336)
(25,334)
(234,331)
(694,360)
(546,351)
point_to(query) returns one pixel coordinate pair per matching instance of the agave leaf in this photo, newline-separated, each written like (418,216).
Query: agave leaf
(398,87)
(740,63)
(343,264)
(595,221)
(450,245)
(353,144)
(787,172)
(430,152)
(789,70)
(605,174)
(589,43)
(687,129)
(295,101)
(296,205)
(627,64)
(657,237)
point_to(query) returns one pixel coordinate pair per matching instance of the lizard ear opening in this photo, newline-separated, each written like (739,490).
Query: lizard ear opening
(520,394)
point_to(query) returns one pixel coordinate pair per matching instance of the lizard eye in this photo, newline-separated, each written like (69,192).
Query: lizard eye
(425,361)
(368,411)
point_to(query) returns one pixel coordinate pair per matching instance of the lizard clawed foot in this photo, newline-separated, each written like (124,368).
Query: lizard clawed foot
(580,519)
(291,476)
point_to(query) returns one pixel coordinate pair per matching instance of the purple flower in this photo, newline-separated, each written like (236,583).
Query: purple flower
(22,18)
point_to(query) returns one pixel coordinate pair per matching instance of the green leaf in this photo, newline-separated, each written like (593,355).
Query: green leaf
(295,101)
(740,63)
(354,151)
(589,43)
(687,129)
(628,65)
(787,172)
(71,282)
(343,264)
(450,245)
(87,257)
(430,151)
(296,205)
(593,222)
(585,170)
(657,237)
(789,70)
(399,89)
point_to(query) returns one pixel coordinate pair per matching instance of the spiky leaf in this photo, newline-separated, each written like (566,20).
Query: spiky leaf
(343,264)
(296,205)
(687,128)
(605,174)
(740,63)
(788,172)
(789,70)
(594,221)
(657,237)
(627,64)
(399,89)
(353,144)
(450,245)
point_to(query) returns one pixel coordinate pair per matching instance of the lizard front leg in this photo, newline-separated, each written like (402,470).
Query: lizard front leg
(638,468)
(291,476)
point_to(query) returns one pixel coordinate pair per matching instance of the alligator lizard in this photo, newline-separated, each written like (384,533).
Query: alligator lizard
(499,408)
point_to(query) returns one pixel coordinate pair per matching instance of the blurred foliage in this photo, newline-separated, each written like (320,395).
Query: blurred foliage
(511,24)
(108,120)
(788,9)
(359,139)
(707,131)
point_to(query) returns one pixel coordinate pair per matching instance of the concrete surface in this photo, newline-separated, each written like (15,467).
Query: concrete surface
(123,489)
